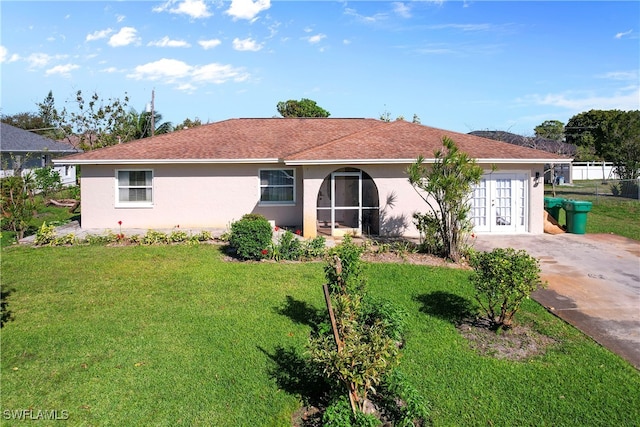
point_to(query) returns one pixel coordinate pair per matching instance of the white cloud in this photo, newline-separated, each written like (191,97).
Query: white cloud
(111,70)
(63,70)
(100,34)
(193,8)
(623,99)
(188,77)
(167,69)
(167,42)
(209,44)
(621,75)
(218,73)
(316,39)
(247,9)
(247,44)
(3,54)
(186,87)
(621,35)
(366,19)
(402,10)
(124,37)
(38,60)
(462,27)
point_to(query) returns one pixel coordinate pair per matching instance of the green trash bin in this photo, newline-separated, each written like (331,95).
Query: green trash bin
(553,205)
(576,215)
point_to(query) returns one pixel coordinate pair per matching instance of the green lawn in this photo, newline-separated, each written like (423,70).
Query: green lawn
(608,214)
(174,335)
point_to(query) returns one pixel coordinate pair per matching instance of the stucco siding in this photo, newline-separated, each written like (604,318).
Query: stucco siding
(205,195)
(185,195)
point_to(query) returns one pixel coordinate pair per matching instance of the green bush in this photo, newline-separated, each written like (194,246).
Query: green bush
(251,237)
(314,248)
(288,247)
(503,278)
(155,237)
(430,238)
(48,180)
(46,235)
(349,277)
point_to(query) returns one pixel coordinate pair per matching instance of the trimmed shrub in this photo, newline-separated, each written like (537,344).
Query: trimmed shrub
(503,278)
(251,237)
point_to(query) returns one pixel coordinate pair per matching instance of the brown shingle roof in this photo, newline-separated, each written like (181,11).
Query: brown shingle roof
(304,140)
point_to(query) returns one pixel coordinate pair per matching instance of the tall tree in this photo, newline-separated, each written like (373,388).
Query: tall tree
(94,122)
(551,129)
(612,135)
(26,121)
(303,108)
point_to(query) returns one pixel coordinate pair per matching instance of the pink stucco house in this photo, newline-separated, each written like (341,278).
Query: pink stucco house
(323,175)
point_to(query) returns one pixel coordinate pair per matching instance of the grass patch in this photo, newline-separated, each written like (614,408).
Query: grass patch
(174,335)
(609,214)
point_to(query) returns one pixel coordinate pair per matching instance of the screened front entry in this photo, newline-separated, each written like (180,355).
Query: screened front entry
(348,203)
(499,203)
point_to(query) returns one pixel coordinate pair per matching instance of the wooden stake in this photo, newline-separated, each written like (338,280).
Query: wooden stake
(334,326)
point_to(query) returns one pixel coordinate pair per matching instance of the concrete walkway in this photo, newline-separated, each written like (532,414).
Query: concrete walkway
(594,284)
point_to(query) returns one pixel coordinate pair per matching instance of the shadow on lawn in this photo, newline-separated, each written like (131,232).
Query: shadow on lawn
(301,312)
(5,313)
(447,306)
(297,375)
(293,371)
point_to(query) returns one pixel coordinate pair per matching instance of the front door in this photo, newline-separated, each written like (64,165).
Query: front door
(499,203)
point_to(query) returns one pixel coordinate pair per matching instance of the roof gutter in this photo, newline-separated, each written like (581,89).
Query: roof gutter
(162,161)
(412,160)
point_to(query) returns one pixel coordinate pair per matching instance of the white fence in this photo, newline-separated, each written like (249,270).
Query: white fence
(67,174)
(592,170)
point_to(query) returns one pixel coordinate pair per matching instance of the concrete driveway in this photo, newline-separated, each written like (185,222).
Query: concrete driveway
(594,283)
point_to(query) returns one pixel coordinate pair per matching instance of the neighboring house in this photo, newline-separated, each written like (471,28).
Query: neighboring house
(23,151)
(324,176)
(561,172)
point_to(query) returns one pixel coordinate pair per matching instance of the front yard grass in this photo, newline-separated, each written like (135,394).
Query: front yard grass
(175,335)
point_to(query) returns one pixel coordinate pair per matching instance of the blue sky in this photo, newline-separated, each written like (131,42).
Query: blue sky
(458,65)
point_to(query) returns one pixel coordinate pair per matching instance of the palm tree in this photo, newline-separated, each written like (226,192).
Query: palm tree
(139,125)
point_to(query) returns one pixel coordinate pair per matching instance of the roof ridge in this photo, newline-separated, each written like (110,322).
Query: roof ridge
(333,141)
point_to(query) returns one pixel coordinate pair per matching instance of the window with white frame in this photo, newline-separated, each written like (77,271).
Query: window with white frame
(135,188)
(277,186)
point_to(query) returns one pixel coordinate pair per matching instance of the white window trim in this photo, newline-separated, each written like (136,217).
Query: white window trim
(120,204)
(261,186)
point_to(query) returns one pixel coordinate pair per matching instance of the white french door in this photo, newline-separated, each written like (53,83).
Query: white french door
(499,203)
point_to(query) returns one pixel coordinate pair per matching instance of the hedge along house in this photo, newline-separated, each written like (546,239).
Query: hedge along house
(323,175)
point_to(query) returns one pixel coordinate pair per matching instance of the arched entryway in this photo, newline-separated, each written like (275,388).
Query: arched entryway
(348,203)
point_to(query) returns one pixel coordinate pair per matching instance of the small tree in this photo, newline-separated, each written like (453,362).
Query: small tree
(503,278)
(445,187)
(47,180)
(16,205)
(365,349)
